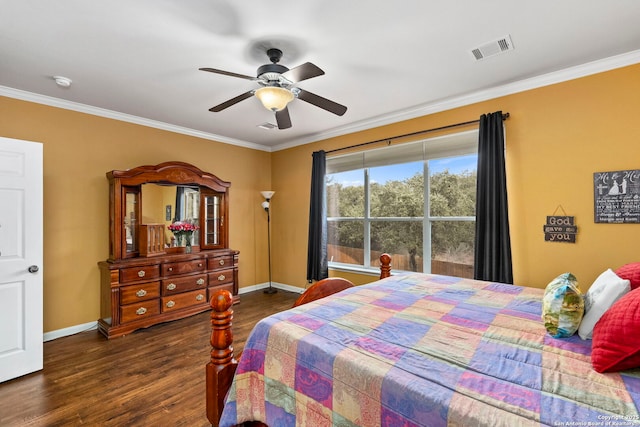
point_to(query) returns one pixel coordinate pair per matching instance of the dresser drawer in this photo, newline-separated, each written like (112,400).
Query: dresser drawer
(183,267)
(177,285)
(135,274)
(142,292)
(141,310)
(186,299)
(211,290)
(218,262)
(221,277)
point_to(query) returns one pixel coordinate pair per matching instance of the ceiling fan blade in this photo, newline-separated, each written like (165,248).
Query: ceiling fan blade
(303,72)
(227,73)
(321,102)
(231,102)
(283,119)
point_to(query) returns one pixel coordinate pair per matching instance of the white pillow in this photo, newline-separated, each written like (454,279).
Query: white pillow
(606,290)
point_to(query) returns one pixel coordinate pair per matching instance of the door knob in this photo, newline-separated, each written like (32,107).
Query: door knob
(33,269)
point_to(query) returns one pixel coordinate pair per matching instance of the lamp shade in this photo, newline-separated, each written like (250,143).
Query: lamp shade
(267,194)
(274,98)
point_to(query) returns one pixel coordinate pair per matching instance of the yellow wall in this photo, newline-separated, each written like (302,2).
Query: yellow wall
(78,150)
(556,138)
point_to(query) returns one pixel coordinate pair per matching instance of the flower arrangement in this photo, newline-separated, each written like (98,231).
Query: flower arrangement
(180,229)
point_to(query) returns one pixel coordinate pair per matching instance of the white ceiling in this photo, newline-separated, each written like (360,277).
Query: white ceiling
(138,60)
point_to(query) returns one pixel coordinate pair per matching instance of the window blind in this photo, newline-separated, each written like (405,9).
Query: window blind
(443,146)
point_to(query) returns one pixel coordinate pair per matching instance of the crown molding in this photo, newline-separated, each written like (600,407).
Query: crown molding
(560,76)
(115,115)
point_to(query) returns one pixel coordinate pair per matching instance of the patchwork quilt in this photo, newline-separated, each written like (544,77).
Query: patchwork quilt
(424,350)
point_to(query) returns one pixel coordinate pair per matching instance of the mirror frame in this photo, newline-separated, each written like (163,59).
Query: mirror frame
(176,173)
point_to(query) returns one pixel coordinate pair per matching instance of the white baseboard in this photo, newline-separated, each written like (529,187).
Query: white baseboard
(277,285)
(289,288)
(72,330)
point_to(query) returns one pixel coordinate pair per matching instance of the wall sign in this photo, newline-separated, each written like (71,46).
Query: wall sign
(560,229)
(617,196)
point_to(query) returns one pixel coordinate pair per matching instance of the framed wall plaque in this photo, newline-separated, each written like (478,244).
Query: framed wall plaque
(617,196)
(560,229)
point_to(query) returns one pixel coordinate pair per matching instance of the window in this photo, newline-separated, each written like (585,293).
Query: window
(379,201)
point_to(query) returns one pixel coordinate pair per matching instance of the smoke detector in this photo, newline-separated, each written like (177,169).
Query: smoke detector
(493,48)
(62,81)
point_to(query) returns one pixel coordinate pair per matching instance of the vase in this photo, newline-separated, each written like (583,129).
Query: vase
(187,244)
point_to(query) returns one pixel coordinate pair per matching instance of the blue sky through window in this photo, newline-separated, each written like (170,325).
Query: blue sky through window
(406,170)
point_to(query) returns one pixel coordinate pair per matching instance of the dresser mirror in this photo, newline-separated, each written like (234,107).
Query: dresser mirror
(147,199)
(166,204)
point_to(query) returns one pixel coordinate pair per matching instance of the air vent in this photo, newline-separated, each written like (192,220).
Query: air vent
(267,126)
(493,48)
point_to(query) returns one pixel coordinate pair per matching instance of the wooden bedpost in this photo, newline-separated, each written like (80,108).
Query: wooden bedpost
(385,265)
(222,367)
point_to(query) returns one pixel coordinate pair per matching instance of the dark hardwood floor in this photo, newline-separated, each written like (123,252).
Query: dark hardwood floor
(152,377)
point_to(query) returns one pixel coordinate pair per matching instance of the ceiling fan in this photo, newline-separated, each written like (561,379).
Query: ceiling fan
(278,88)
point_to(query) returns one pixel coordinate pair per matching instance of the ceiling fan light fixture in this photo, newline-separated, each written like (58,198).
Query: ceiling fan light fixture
(274,98)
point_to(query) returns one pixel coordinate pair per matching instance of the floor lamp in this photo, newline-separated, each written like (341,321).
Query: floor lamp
(266,205)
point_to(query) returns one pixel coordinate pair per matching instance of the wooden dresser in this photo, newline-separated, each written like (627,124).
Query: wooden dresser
(140,292)
(151,276)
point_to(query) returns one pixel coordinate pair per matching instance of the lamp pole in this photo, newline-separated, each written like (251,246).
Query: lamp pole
(267,207)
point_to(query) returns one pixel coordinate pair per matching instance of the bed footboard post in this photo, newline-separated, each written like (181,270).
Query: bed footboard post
(222,367)
(385,265)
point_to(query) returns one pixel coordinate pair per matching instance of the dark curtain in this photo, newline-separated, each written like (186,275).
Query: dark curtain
(317,267)
(493,243)
(179,198)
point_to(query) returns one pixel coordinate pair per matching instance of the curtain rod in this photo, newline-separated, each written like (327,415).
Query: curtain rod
(505,116)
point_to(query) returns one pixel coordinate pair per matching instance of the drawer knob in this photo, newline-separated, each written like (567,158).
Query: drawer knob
(221,277)
(141,311)
(199,297)
(141,273)
(200,281)
(200,265)
(170,304)
(141,293)
(221,262)
(171,286)
(170,268)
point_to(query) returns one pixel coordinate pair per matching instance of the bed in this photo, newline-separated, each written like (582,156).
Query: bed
(412,350)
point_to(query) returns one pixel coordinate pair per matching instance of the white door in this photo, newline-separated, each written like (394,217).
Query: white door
(20,258)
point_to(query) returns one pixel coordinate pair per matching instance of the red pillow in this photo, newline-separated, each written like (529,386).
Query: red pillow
(630,272)
(615,345)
